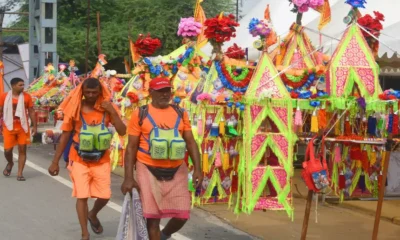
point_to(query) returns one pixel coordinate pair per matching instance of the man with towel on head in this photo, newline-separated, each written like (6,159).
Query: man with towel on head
(14,108)
(159,135)
(87,113)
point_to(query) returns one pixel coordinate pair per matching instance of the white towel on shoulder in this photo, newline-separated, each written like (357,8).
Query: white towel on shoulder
(20,112)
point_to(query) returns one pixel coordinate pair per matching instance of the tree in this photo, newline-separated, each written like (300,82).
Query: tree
(160,18)
(3,8)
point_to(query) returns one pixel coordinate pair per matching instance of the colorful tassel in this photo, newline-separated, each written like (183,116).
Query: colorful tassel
(371,125)
(214,192)
(222,126)
(199,126)
(364,160)
(347,127)
(338,155)
(383,155)
(218,162)
(298,119)
(235,183)
(225,160)
(214,130)
(361,183)
(231,129)
(342,181)
(322,122)
(355,153)
(381,122)
(314,122)
(372,157)
(395,128)
(205,162)
(390,123)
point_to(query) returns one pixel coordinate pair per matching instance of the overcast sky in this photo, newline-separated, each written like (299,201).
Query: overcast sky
(246,5)
(8,18)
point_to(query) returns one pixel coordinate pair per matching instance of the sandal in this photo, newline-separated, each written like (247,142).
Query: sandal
(7,171)
(96,228)
(21,178)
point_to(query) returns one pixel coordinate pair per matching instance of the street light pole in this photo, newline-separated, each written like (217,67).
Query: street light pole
(237,10)
(2,12)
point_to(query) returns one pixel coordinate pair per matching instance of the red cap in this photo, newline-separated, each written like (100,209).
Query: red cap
(160,83)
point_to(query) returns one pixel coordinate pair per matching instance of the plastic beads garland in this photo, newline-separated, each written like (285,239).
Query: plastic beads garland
(229,83)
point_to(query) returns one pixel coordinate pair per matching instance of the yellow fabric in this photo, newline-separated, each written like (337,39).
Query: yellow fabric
(200,17)
(325,11)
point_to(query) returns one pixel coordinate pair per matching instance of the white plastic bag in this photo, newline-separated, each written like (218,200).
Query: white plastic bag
(132,225)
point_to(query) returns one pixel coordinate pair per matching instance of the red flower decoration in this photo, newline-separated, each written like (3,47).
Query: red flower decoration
(294,95)
(220,28)
(132,97)
(118,87)
(372,25)
(235,52)
(146,46)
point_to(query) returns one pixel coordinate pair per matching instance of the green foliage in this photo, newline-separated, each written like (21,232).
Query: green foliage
(119,20)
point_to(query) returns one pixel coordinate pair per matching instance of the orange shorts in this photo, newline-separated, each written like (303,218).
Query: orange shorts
(17,136)
(90,180)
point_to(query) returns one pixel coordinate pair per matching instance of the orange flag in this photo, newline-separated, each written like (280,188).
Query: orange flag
(325,11)
(127,66)
(267,15)
(272,38)
(1,77)
(135,55)
(200,17)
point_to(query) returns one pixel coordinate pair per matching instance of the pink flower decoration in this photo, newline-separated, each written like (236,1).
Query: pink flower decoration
(304,5)
(188,27)
(303,8)
(204,97)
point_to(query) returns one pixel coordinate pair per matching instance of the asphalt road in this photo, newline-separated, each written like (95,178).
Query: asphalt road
(42,207)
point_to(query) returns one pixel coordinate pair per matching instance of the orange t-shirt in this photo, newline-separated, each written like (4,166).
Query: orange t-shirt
(91,118)
(27,101)
(165,119)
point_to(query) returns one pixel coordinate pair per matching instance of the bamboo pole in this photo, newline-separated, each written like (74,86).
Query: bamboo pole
(307,215)
(98,34)
(87,38)
(382,188)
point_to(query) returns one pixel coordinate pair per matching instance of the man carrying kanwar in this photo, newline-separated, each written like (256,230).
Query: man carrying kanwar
(14,108)
(159,135)
(87,114)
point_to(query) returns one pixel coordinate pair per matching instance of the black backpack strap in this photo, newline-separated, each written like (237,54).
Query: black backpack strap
(178,110)
(143,111)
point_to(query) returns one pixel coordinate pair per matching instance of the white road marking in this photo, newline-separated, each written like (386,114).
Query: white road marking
(68,183)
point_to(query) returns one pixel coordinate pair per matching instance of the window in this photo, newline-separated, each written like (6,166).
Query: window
(34,72)
(49,58)
(48,35)
(48,11)
(35,49)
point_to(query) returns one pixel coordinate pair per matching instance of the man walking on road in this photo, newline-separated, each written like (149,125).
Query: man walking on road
(89,158)
(159,135)
(14,108)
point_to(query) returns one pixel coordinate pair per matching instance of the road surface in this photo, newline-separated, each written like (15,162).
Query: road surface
(42,207)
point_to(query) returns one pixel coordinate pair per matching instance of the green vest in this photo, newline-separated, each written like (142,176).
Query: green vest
(94,138)
(165,144)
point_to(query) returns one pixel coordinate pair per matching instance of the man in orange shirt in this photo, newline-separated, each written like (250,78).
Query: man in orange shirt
(14,107)
(159,135)
(89,157)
